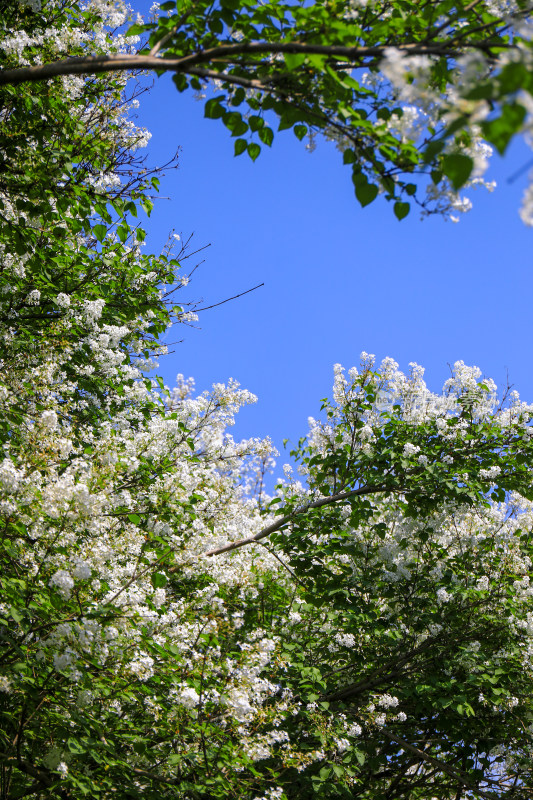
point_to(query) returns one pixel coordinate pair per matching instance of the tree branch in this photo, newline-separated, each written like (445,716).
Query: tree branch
(227,300)
(42,776)
(382,675)
(453,773)
(92,65)
(275,526)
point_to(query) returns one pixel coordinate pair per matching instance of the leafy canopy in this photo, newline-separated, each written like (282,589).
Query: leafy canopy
(410,91)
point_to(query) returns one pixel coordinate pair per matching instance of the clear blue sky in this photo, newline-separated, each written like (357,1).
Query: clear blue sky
(338,279)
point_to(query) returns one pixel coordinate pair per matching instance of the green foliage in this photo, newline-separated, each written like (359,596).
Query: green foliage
(354,73)
(457,168)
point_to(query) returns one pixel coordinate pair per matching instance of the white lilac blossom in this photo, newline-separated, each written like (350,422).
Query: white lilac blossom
(189,697)
(10,476)
(443,596)
(63,300)
(387,701)
(49,420)
(63,581)
(246,689)
(33,298)
(491,473)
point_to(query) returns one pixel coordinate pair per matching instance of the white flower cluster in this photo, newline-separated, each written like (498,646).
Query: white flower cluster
(10,476)
(63,581)
(346,639)
(387,701)
(491,473)
(443,596)
(34,298)
(63,300)
(188,697)
(274,793)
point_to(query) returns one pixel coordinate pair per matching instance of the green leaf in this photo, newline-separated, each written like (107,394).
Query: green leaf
(15,614)
(513,77)
(135,30)
(238,96)
(500,131)
(482,91)
(401,210)
(123,232)
(348,157)
(266,135)
(181,81)
(213,108)
(457,168)
(293,60)
(240,146)
(255,122)
(75,747)
(253,150)
(159,579)
(216,25)
(234,122)
(433,149)
(316,61)
(366,192)
(300,131)
(134,518)
(99,232)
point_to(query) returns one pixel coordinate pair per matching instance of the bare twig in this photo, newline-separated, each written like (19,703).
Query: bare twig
(227,300)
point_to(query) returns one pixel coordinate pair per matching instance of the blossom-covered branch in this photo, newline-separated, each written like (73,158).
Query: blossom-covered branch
(288,518)
(94,65)
(405,91)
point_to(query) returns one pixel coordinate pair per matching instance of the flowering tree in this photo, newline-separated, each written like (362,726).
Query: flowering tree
(166,629)
(414,94)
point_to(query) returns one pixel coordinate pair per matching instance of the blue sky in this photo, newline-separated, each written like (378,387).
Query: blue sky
(338,279)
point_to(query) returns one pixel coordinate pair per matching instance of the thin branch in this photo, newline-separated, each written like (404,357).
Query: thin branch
(458,776)
(33,789)
(40,775)
(168,36)
(227,300)
(450,21)
(383,674)
(519,172)
(283,564)
(154,777)
(225,77)
(163,41)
